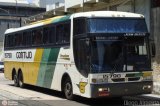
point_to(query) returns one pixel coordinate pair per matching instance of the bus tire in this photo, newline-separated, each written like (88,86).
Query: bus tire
(20,80)
(68,89)
(15,78)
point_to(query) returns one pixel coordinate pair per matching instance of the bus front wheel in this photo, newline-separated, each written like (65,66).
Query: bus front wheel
(68,90)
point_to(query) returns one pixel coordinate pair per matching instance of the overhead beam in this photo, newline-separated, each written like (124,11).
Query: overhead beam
(72,10)
(89,5)
(105,1)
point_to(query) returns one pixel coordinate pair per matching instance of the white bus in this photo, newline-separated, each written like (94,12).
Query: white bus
(90,54)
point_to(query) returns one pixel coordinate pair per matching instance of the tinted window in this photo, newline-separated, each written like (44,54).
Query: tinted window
(106,56)
(42,36)
(11,39)
(18,39)
(79,26)
(6,41)
(37,37)
(59,33)
(49,35)
(27,38)
(67,32)
(52,35)
(63,33)
(82,56)
(105,25)
(46,35)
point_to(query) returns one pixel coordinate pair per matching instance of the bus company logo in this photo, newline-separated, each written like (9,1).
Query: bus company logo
(24,55)
(82,86)
(4,102)
(65,57)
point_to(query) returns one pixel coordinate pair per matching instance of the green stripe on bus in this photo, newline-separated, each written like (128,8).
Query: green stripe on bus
(50,67)
(43,67)
(62,19)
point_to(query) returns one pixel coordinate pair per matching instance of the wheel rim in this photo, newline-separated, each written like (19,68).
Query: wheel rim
(68,89)
(15,79)
(20,80)
(20,83)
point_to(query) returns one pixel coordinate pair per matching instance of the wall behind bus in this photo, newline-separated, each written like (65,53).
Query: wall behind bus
(137,6)
(156,31)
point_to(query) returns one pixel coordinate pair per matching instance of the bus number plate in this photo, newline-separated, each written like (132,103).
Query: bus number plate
(115,75)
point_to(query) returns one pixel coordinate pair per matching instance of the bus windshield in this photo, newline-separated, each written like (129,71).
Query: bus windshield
(104,55)
(103,25)
(119,55)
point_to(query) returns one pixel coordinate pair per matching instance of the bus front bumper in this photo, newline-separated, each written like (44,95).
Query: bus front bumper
(121,89)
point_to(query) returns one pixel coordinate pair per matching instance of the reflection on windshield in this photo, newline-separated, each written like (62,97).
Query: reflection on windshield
(105,55)
(105,25)
(137,57)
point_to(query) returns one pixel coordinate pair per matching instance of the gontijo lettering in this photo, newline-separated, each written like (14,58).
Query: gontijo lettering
(24,55)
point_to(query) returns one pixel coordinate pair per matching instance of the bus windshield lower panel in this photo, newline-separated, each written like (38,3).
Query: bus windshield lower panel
(119,55)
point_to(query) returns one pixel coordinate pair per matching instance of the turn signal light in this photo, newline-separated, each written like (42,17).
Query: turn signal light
(94,80)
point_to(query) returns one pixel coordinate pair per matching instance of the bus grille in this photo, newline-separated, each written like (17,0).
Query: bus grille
(133,78)
(123,79)
(118,80)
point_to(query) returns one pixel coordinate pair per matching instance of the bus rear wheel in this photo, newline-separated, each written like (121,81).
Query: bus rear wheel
(20,80)
(68,90)
(15,78)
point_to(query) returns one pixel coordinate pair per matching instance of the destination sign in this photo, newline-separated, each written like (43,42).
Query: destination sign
(135,34)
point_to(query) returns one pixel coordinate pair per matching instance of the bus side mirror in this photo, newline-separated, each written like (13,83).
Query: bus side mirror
(153,49)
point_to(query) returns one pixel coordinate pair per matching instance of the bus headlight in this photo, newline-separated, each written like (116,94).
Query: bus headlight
(100,89)
(104,91)
(145,87)
(99,80)
(148,78)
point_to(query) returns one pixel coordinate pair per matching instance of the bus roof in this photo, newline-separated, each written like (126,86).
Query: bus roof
(107,14)
(39,23)
(90,14)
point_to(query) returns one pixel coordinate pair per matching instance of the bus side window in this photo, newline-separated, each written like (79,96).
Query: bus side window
(27,39)
(49,35)
(66,36)
(11,40)
(6,45)
(59,34)
(63,33)
(52,35)
(37,37)
(79,26)
(46,35)
(18,39)
(24,38)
